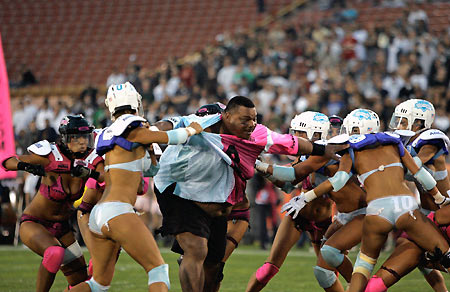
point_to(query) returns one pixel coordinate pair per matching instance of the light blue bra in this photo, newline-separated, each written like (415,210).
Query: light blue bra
(364,176)
(138,165)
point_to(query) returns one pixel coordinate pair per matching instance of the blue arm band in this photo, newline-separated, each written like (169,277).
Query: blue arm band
(177,136)
(418,161)
(283,173)
(425,179)
(339,180)
(152,171)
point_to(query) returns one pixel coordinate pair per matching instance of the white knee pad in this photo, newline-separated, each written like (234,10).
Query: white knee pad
(96,287)
(159,274)
(325,278)
(72,252)
(332,255)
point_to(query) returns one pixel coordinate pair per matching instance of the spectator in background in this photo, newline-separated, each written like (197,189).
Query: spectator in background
(226,73)
(20,120)
(49,133)
(160,92)
(30,108)
(90,91)
(44,114)
(60,111)
(266,200)
(28,77)
(115,77)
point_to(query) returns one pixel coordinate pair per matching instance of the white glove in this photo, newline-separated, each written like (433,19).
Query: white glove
(261,166)
(294,205)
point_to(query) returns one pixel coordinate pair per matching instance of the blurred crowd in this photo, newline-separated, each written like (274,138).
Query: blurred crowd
(288,67)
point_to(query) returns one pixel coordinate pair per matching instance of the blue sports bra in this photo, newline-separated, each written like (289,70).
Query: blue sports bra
(364,176)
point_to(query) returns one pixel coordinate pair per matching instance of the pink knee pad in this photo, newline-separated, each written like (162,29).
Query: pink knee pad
(266,272)
(375,284)
(53,257)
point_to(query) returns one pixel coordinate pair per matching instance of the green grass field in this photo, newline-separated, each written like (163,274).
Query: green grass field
(18,268)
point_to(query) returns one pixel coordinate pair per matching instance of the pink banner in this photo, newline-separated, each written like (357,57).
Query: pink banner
(7,145)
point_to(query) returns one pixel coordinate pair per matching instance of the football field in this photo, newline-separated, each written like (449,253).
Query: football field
(18,269)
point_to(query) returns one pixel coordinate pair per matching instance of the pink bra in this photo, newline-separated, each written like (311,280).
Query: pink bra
(56,192)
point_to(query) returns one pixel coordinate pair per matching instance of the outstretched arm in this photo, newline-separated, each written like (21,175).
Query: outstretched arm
(425,179)
(31,163)
(146,136)
(335,183)
(293,174)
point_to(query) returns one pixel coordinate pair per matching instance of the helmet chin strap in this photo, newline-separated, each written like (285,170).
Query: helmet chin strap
(69,153)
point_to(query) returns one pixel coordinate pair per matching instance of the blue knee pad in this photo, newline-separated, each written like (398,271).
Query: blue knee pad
(332,255)
(326,278)
(96,287)
(159,274)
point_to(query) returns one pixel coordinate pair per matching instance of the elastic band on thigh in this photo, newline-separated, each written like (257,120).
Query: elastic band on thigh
(234,241)
(394,273)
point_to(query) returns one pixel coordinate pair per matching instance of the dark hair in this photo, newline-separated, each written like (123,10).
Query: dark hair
(121,110)
(209,109)
(239,100)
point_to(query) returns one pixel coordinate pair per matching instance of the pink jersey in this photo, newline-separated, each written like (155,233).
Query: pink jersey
(245,152)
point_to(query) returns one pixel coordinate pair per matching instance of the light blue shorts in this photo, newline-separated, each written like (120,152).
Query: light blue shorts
(103,212)
(344,218)
(392,207)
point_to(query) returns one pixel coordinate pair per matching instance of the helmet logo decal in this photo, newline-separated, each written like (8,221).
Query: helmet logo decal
(64,121)
(362,115)
(119,87)
(319,117)
(423,105)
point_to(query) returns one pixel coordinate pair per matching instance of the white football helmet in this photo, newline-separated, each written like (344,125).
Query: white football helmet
(366,120)
(412,110)
(123,96)
(311,122)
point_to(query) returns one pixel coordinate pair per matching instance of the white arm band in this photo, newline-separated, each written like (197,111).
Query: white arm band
(261,166)
(339,180)
(283,173)
(191,131)
(154,128)
(177,136)
(310,195)
(425,179)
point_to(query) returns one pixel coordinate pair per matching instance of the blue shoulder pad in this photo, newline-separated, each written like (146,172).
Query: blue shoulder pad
(432,137)
(358,142)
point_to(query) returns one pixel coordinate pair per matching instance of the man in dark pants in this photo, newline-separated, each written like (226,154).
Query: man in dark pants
(204,178)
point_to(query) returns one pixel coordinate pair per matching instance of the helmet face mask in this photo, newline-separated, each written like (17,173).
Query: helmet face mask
(76,133)
(361,121)
(123,97)
(335,125)
(81,138)
(414,115)
(316,125)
